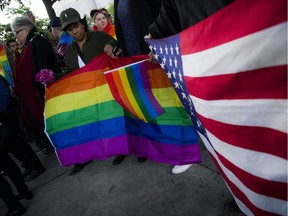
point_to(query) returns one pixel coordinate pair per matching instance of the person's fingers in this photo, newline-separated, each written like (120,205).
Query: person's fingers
(152,58)
(108,49)
(148,36)
(119,53)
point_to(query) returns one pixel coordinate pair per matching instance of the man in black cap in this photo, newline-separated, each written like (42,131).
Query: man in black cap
(85,46)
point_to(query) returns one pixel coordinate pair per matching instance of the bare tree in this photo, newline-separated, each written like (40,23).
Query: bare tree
(48,5)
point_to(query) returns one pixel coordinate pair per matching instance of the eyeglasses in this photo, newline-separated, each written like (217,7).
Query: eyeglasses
(17,32)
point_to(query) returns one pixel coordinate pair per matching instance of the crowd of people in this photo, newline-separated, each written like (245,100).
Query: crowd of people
(77,45)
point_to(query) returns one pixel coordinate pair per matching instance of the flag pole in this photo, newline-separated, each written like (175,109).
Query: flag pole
(110,71)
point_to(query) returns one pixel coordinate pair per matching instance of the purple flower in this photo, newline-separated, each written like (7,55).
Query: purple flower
(45,76)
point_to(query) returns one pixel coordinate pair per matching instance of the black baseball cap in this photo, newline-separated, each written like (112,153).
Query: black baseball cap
(55,22)
(69,16)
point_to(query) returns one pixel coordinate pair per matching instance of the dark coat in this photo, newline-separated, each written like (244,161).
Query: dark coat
(93,46)
(5,96)
(177,15)
(37,54)
(144,12)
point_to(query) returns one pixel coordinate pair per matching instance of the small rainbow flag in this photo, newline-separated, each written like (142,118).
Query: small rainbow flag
(131,89)
(4,65)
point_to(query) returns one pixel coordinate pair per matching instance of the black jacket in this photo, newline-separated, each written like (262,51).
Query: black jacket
(44,56)
(144,12)
(177,15)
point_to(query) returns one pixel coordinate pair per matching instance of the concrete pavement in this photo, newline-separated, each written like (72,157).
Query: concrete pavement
(128,189)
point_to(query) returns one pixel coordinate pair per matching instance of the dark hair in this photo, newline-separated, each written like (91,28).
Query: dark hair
(84,22)
(100,12)
(103,9)
(10,41)
(92,12)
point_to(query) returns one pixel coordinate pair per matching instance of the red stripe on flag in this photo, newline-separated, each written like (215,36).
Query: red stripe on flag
(115,85)
(240,195)
(266,137)
(256,184)
(249,17)
(2,50)
(255,84)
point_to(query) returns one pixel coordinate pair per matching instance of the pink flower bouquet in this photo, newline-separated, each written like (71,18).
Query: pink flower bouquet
(45,76)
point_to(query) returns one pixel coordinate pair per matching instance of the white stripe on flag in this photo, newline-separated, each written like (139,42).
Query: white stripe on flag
(261,201)
(269,167)
(241,205)
(256,112)
(262,49)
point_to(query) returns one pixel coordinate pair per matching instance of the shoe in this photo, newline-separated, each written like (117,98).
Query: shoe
(118,159)
(34,174)
(78,167)
(141,159)
(177,169)
(16,212)
(28,196)
(26,172)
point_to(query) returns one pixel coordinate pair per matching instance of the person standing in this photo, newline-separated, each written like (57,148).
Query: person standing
(85,46)
(17,146)
(13,47)
(9,167)
(63,38)
(63,41)
(101,23)
(132,19)
(174,17)
(37,54)
(104,11)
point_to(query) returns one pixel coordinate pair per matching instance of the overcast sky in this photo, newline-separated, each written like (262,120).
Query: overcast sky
(39,9)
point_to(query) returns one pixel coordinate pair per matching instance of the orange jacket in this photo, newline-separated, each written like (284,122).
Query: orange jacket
(109,29)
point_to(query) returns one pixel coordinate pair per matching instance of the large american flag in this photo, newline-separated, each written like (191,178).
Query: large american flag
(230,72)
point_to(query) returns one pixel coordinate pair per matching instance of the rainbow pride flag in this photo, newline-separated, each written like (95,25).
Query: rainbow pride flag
(84,121)
(131,89)
(4,65)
